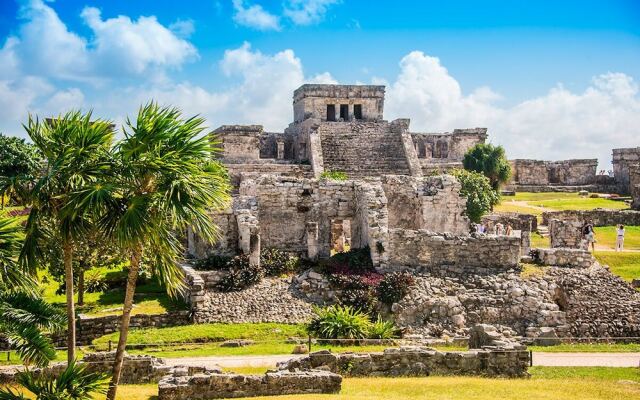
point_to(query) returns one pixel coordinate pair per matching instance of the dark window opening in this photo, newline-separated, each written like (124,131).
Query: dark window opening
(344,112)
(331,112)
(357,111)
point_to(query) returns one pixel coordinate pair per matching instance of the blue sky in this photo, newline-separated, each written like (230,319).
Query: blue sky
(550,79)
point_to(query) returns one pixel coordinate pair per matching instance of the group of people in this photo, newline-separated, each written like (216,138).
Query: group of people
(498,229)
(603,172)
(589,236)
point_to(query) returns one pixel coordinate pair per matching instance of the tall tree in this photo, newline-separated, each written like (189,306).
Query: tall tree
(476,187)
(490,161)
(19,163)
(76,152)
(165,180)
(25,317)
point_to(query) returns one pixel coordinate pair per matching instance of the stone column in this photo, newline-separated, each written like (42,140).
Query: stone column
(312,240)
(280,144)
(249,236)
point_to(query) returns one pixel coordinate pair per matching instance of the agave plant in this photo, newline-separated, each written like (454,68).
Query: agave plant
(74,383)
(339,322)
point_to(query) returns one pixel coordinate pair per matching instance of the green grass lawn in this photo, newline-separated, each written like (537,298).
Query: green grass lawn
(625,265)
(150,298)
(606,237)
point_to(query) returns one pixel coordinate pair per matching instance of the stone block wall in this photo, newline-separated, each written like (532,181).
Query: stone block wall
(310,101)
(634,185)
(599,216)
(564,257)
(239,142)
(566,233)
(432,203)
(419,361)
(622,160)
(420,249)
(522,225)
(216,385)
(564,173)
(437,147)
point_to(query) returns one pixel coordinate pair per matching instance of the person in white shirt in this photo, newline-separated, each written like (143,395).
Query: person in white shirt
(620,238)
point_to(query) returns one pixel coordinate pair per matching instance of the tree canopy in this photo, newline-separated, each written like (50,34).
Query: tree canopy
(18,157)
(490,161)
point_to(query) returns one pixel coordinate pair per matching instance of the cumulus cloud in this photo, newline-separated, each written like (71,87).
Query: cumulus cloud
(120,46)
(254,16)
(307,12)
(558,125)
(183,28)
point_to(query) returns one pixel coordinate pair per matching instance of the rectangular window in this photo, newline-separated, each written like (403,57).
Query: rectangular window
(357,111)
(344,112)
(331,112)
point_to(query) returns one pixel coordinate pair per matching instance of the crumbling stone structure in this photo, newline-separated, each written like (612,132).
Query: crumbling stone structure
(623,160)
(559,173)
(598,216)
(522,225)
(185,384)
(634,185)
(567,233)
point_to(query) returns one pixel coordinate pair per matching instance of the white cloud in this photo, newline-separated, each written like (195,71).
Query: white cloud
(183,28)
(307,12)
(254,16)
(559,125)
(119,47)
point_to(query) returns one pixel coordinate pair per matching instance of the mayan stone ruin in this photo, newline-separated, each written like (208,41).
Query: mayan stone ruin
(398,204)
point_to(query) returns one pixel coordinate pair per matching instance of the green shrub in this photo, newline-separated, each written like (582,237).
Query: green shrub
(338,322)
(394,287)
(381,329)
(334,175)
(241,275)
(481,197)
(95,282)
(363,299)
(354,261)
(276,262)
(213,262)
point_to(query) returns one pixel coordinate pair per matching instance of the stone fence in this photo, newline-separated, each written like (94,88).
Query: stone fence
(563,257)
(599,216)
(418,361)
(90,328)
(420,249)
(524,223)
(138,369)
(212,384)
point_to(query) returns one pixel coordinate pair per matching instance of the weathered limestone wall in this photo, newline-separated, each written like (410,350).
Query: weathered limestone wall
(424,250)
(419,361)
(311,100)
(563,257)
(436,147)
(240,143)
(432,203)
(566,233)
(634,186)
(522,225)
(565,172)
(207,384)
(622,159)
(237,171)
(599,216)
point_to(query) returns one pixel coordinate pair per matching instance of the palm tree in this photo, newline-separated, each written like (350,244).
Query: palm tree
(165,180)
(76,151)
(74,383)
(25,317)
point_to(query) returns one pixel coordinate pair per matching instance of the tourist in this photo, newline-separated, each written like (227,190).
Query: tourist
(509,230)
(589,235)
(620,238)
(499,229)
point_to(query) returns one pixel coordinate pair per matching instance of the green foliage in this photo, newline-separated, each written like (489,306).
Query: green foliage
(212,262)
(74,383)
(481,197)
(338,322)
(490,161)
(334,175)
(381,329)
(18,157)
(12,273)
(276,262)
(354,261)
(394,287)
(241,275)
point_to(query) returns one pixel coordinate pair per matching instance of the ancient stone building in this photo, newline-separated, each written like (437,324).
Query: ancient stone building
(623,159)
(281,199)
(553,173)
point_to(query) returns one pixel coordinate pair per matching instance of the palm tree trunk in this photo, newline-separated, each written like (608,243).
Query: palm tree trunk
(71,312)
(124,323)
(81,286)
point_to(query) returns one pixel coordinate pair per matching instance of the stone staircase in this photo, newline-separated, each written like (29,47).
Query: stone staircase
(543,230)
(362,149)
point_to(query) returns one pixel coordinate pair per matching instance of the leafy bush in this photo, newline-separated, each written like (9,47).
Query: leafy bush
(381,329)
(394,287)
(334,175)
(241,275)
(490,161)
(276,262)
(481,197)
(354,261)
(213,262)
(95,282)
(359,299)
(339,322)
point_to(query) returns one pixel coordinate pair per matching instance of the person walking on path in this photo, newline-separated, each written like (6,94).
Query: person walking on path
(620,238)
